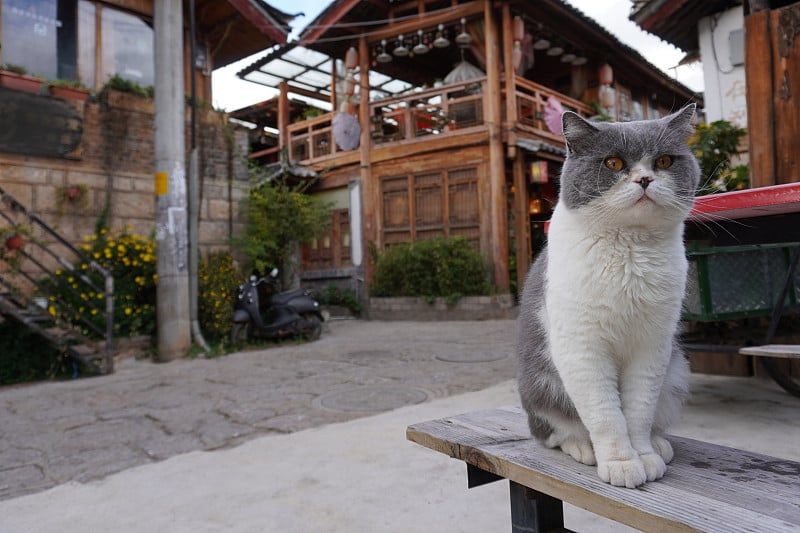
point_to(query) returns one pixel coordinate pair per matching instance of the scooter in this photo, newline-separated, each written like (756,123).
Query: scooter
(286,314)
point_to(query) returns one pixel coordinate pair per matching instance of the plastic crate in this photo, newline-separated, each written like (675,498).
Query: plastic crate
(733,282)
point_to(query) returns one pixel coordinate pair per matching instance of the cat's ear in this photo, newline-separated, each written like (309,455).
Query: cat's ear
(576,130)
(682,120)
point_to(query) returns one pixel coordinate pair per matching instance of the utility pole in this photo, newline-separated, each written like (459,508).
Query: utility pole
(172,295)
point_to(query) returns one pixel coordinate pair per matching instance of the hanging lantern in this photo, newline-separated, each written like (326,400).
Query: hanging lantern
(607,96)
(421,47)
(351,58)
(519,29)
(441,41)
(568,57)
(606,74)
(349,84)
(516,55)
(555,50)
(579,60)
(541,43)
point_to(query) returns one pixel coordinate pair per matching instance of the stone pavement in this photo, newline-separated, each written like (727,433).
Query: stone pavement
(55,432)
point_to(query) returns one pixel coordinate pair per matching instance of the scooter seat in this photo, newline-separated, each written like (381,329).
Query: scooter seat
(284,298)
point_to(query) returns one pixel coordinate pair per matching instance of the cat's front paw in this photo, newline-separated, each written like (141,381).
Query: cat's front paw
(654,466)
(630,473)
(580,450)
(662,448)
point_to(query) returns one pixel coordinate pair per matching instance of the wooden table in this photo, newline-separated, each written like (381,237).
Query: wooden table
(706,488)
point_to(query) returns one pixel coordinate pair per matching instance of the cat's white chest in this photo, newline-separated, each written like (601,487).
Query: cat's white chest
(619,286)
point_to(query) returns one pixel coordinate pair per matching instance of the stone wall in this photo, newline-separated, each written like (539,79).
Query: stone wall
(114,163)
(498,306)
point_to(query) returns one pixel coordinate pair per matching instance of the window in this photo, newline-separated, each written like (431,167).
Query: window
(331,250)
(59,38)
(428,205)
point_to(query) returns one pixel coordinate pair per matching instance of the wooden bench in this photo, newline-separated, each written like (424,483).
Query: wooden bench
(706,488)
(785,351)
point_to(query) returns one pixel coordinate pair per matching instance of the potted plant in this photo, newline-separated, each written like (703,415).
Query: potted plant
(12,238)
(75,195)
(68,89)
(17,78)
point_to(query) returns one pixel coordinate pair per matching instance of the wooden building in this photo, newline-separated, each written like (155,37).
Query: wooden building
(441,120)
(104,145)
(772,69)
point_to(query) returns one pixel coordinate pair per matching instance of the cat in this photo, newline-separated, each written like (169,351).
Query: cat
(601,374)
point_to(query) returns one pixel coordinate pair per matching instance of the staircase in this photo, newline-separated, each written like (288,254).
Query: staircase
(31,252)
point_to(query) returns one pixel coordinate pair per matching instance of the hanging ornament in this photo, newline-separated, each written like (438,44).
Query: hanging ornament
(351,58)
(463,38)
(400,50)
(421,47)
(441,41)
(555,50)
(579,60)
(383,57)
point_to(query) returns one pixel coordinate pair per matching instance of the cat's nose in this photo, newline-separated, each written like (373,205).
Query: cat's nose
(644,181)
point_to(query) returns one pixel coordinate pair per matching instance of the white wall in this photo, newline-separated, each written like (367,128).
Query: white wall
(725,94)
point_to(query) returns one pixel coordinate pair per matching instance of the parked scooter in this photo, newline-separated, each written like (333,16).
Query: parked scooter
(286,314)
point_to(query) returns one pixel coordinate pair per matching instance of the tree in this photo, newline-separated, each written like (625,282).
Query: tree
(714,145)
(279,217)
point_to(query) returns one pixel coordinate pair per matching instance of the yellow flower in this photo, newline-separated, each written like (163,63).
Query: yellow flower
(128,311)
(52,310)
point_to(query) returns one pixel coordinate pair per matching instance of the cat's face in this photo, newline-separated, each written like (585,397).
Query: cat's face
(630,173)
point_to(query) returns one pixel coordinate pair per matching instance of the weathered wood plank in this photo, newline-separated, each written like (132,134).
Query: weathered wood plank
(706,488)
(788,351)
(760,111)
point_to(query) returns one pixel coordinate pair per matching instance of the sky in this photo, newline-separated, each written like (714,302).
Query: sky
(232,93)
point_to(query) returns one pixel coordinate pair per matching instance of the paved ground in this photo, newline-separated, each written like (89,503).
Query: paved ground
(86,429)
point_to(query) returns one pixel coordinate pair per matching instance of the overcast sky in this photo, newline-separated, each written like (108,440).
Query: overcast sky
(232,93)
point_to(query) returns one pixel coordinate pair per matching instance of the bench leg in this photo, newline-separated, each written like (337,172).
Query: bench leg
(533,511)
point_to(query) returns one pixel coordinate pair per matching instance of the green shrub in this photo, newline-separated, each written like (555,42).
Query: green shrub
(131,258)
(437,267)
(333,295)
(714,145)
(24,356)
(218,279)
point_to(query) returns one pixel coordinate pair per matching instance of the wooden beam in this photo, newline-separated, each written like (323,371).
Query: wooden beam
(260,19)
(760,110)
(510,79)
(430,20)
(370,191)
(328,20)
(283,115)
(497,219)
(522,226)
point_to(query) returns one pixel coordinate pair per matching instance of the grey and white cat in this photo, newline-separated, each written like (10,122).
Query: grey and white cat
(600,372)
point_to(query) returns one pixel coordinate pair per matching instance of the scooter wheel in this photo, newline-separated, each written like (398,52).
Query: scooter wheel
(240,333)
(316,326)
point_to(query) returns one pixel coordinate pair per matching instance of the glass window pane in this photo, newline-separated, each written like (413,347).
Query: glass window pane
(127,43)
(29,35)
(86,43)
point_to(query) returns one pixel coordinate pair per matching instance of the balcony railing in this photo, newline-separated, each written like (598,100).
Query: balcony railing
(449,110)
(437,111)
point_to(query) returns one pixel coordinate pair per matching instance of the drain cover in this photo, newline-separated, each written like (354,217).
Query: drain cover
(471,357)
(372,398)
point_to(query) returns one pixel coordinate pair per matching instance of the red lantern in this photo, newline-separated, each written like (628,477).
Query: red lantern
(351,58)
(519,29)
(606,74)
(14,242)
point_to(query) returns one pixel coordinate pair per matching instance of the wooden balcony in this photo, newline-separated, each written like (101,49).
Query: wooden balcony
(446,112)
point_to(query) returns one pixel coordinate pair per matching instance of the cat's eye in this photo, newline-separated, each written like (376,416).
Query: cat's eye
(663,161)
(614,163)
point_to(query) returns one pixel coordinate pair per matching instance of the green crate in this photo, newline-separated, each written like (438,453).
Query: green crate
(733,282)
